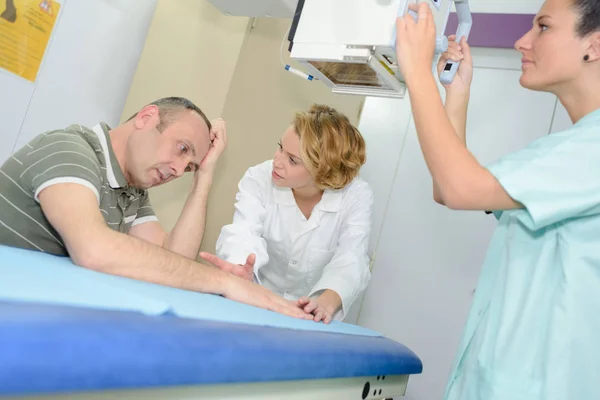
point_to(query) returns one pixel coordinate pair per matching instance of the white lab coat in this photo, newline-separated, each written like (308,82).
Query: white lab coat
(297,257)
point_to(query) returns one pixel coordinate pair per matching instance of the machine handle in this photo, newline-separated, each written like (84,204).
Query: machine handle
(465,22)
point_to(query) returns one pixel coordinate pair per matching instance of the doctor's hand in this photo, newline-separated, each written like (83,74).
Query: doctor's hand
(218,143)
(245,271)
(458,52)
(415,43)
(241,290)
(323,308)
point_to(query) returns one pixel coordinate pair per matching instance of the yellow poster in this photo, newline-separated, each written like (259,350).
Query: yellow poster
(25,28)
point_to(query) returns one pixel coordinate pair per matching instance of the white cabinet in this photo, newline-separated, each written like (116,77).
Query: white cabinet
(428,258)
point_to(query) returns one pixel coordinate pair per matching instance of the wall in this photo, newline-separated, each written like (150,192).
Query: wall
(506,6)
(261,103)
(67,90)
(427,257)
(191,51)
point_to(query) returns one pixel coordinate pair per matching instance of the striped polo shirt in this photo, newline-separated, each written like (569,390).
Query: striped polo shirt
(73,155)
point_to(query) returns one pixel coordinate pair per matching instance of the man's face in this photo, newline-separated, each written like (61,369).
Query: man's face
(155,158)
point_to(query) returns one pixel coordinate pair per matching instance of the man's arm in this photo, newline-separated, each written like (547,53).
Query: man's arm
(72,210)
(186,236)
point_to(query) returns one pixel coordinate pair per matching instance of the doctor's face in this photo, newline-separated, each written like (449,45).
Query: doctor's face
(552,50)
(288,169)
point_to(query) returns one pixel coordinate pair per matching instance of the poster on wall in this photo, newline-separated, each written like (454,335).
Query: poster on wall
(25,29)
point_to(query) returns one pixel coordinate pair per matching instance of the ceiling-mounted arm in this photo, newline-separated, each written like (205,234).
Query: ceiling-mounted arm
(465,22)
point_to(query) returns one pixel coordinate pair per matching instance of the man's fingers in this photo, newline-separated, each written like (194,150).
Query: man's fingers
(211,258)
(217,262)
(251,260)
(289,310)
(286,307)
(292,310)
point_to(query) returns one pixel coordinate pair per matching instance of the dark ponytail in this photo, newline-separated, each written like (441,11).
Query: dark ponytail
(589,16)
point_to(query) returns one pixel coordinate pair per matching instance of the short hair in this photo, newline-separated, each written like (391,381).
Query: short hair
(169,107)
(589,16)
(332,149)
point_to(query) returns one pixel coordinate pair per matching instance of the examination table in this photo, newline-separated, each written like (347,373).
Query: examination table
(71,333)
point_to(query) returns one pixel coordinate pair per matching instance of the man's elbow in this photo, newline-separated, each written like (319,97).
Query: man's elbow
(88,252)
(85,256)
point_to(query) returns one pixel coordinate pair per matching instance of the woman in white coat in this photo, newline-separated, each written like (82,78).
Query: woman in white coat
(302,220)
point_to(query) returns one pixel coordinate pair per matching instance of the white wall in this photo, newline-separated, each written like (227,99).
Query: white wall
(285,8)
(260,105)
(192,51)
(428,258)
(506,6)
(85,74)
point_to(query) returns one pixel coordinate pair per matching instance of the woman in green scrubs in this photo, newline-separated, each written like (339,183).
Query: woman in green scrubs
(534,328)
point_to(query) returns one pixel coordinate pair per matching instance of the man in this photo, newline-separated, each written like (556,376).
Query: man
(83,193)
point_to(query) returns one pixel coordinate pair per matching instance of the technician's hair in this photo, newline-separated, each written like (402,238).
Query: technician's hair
(331,148)
(589,16)
(169,107)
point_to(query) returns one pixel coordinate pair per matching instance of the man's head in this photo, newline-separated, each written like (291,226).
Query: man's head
(167,138)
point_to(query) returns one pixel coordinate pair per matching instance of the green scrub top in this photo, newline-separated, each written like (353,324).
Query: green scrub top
(533,331)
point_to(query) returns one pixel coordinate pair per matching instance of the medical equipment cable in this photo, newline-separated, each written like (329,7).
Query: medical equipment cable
(385,210)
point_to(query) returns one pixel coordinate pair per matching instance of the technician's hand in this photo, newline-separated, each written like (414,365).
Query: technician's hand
(415,42)
(458,52)
(218,139)
(245,271)
(238,289)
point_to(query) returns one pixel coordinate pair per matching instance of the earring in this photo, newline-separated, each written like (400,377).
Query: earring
(586,57)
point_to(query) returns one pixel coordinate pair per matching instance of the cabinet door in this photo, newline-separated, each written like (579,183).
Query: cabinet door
(428,258)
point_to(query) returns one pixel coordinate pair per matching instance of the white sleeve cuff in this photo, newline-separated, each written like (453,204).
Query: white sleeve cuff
(143,220)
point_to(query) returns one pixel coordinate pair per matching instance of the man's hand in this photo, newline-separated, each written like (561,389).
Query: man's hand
(245,271)
(250,293)
(218,140)
(323,308)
